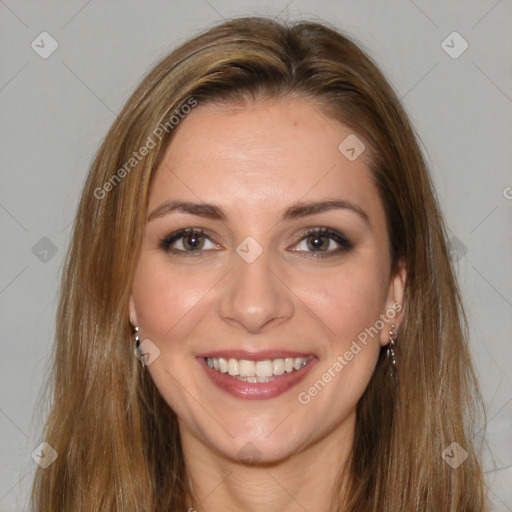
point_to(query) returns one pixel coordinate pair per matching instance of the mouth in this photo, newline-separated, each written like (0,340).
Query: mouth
(256,376)
(265,370)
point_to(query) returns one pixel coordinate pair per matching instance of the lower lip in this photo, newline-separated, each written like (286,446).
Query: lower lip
(256,390)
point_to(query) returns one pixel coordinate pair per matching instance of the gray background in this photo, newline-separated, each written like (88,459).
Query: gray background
(55,112)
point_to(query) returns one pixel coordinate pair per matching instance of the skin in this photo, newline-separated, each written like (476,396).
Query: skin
(254,161)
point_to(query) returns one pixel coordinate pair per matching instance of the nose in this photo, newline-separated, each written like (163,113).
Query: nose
(256,295)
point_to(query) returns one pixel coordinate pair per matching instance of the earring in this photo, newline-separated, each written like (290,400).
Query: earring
(391,346)
(135,330)
(393,335)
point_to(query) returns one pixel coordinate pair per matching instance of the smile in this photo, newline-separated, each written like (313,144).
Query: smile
(257,371)
(256,376)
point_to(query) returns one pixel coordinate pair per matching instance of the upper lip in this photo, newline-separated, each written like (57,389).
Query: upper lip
(260,355)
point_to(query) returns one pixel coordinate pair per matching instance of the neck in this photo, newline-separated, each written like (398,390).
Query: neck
(305,480)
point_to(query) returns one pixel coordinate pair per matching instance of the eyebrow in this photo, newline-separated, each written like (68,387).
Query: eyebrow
(295,211)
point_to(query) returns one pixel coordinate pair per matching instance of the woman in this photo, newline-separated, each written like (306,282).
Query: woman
(260,230)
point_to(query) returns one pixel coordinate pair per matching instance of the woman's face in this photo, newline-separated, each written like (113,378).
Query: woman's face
(253,290)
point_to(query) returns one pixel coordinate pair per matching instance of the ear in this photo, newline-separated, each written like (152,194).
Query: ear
(131,311)
(394,312)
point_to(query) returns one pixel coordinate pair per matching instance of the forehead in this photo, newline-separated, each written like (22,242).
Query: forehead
(262,157)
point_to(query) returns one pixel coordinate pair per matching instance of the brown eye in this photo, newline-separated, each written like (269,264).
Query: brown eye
(185,241)
(193,241)
(317,243)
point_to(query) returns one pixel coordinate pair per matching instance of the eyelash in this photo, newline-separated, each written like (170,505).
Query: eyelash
(345,244)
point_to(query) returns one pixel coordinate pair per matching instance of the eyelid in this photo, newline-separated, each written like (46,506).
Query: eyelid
(166,241)
(335,235)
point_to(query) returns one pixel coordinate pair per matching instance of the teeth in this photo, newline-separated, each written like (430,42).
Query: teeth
(278,366)
(233,367)
(254,379)
(264,368)
(256,371)
(247,368)
(298,363)
(223,365)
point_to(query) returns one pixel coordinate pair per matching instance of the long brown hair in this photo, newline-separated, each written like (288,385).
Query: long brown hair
(117,440)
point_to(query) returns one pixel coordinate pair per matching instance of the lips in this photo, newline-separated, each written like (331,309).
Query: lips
(256,388)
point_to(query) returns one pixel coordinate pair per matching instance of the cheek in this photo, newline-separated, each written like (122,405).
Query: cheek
(167,303)
(163,298)
(348,300)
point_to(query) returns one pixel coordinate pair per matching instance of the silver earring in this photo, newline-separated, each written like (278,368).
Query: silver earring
(391,352)
(391,346)
(135,331)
